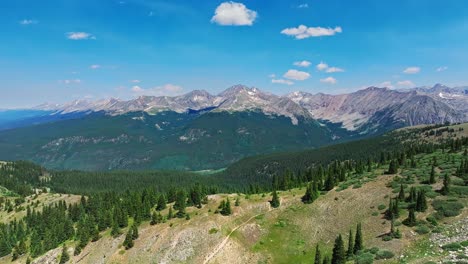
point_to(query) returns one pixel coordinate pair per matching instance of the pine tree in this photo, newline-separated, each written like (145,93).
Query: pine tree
(349,252)
(64,257)
(401,195)
(169,215)
(432,179)
(128,242)
(326,260)
(318,257)
(135,231)
(393,167)
(411,220)
(358,242)
(226,207)
(446,188)
(237,203)
(115,231)
(421,203)
(161,203)
(339,254)
(275,202)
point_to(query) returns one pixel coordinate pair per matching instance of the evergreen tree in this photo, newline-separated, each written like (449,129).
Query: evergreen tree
(115,231)
(339,254)
(326,260)
(318,257)
(358,242)
(349,252)
(393,167)
(161,203)
(226,207)
(411,220)
(275,202)
(169,214)
(128,242)
(237,203)
(64,257)
(446,188)
(401,194)
(432,179)
(135,234)
(421,203)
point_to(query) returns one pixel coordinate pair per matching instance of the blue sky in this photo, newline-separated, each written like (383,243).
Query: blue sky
(56,51)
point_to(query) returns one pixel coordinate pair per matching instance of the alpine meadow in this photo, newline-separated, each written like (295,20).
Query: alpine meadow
(253,132)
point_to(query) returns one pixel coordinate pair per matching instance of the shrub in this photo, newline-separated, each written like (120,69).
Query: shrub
(422,229)
(452,246)
(364,258)
(447,208)
(432,220)
(384,254)
(381,206)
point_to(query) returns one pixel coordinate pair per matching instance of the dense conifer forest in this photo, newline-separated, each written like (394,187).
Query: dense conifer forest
(115,200)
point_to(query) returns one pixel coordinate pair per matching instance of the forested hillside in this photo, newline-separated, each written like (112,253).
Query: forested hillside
(427,172)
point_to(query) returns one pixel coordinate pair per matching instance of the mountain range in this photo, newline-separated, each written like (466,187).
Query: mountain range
(198,130)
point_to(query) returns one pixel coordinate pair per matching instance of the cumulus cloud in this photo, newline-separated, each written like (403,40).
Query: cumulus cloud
(28,22)
(334,69)
(387,84)
(329,80)
(303,63)
(95,66)
(272,75)
(135,81)
(412,70)
(303,32)
(441,69)
(233,14)
(282,81)
(74,81)
(305,5)
(406,83)
(164,90)
(296,75)
(322,66)
(80,35)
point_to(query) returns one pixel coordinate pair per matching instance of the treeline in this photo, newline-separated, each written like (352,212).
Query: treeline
(20,176)
(42,230)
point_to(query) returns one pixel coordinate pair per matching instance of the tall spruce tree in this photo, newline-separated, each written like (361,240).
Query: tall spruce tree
(275,202)
(64,257)
(358,242)
(349,252)
(161,203)
(446,187)
(411,220)
(432,179)
(339,253)
(401,194)
(318,257)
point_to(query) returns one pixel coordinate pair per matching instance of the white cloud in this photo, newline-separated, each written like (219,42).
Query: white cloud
(406,83)
(135,81)
(329,80)
(296,75)
(164,90)
(387,84)
(233,14)
(282,81)
(74,81)
(412,70)
(441,69)
(272,75)
(95,66)
(305,5)
(303,63)
(322,66)
(334,69)
(80,35)
(28,22)
(302,31)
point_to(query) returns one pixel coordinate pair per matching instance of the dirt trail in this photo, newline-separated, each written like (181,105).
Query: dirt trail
(222,244)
